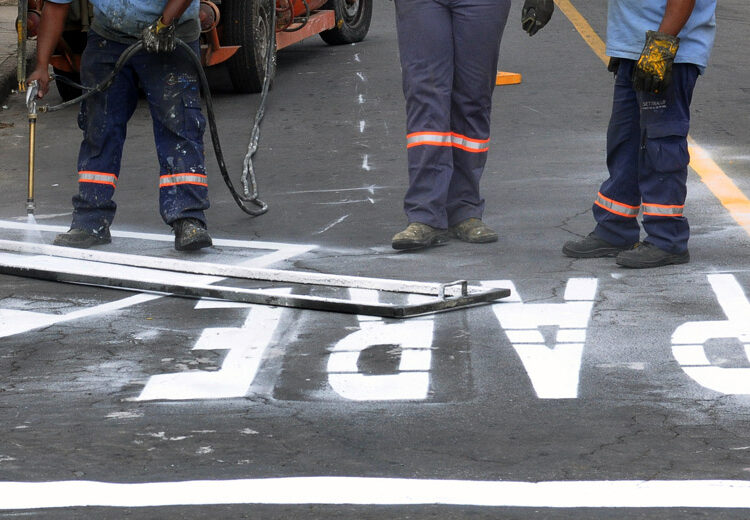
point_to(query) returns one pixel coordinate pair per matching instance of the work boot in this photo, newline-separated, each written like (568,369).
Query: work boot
(474,231)
(591,247)
(418,235)
(645,254)
(190,235)
(82,238)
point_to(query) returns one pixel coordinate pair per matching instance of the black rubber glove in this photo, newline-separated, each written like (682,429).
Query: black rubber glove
(535,15)
(653,72)
(159,37)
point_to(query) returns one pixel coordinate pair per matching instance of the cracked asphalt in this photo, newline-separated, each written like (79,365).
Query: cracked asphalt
(610,394)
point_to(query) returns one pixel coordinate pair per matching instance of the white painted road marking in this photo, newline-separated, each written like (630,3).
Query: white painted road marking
(689,339)
(246,345)
(14,321)
(381,491)
(413,338)
(553,364)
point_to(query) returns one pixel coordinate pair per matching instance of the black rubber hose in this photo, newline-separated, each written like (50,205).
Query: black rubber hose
(242,201)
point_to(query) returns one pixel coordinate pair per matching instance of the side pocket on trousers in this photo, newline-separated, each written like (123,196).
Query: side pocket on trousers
(666,147)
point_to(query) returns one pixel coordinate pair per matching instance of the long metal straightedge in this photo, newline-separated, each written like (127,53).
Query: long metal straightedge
(99,268)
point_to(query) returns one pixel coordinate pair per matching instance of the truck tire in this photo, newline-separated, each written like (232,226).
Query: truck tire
(352,21)
(249,24)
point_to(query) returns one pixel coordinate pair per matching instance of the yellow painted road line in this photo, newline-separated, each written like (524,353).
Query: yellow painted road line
(720,184)
(584,29)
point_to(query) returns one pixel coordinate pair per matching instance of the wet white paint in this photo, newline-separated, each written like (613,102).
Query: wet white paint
(365,163)
(553,364)
(630,494)
(246,346)
(689,339)
(412,338)
(362,125)
(16,321)
(278,251)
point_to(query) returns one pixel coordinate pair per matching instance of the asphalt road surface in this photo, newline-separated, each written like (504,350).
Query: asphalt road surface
(591,392)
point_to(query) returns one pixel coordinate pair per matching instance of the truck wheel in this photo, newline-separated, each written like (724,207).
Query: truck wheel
(249,24)
(352,21)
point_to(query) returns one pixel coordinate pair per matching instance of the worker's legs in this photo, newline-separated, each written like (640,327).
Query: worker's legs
(426,48)
(103,118)
(618,201)
(665,121)
(170,81)
(477,30)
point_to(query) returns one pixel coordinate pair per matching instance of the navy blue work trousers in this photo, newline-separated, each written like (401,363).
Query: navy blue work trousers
(647,158)
(172,90)
(449,52)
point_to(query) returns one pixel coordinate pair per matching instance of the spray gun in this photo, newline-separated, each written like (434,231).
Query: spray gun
(31,97)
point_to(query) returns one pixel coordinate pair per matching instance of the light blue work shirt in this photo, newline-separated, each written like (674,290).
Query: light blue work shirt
(628,21)
(123,20)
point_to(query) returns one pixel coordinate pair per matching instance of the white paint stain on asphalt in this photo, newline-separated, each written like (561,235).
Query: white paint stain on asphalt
(630,494)
(334,223)
(125,415)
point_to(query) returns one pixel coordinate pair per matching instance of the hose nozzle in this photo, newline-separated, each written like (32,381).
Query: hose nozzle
(30,207)
(32,89)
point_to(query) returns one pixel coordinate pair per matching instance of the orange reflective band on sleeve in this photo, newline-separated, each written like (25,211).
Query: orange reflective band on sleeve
(447,139)
(182,178)
(663,210)
(98,178)
(618,208)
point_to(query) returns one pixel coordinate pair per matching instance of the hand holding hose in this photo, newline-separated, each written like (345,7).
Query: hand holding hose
(535,15)
(159,37)
(653,72)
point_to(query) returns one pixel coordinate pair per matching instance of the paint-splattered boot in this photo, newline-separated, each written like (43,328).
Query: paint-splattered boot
(190,234)
(418,236)
(82,238)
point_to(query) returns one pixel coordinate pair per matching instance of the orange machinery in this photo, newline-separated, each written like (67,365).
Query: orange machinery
(235,32)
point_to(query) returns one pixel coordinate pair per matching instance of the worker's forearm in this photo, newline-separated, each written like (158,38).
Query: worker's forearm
(676,16)
(50,29)
(173,10)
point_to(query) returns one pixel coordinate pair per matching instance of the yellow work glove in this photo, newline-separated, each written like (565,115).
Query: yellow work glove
(159,37)
(653,72)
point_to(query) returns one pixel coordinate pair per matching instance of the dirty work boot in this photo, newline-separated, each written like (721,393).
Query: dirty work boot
(83,239)
(591,247)
(474,231)
(645,255)
(418,235)
(190,234)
